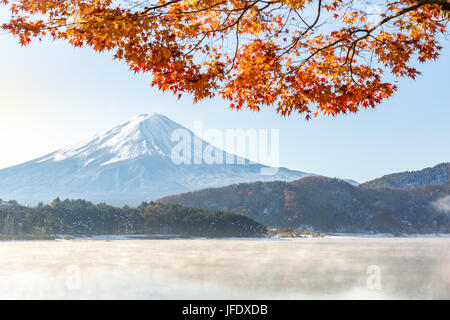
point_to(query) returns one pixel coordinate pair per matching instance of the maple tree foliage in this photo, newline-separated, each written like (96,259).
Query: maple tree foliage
(305,56)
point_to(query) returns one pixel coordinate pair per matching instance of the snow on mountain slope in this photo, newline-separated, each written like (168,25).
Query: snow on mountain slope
(140,136)
(128,164)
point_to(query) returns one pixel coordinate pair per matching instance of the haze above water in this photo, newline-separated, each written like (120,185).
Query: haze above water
(336,268)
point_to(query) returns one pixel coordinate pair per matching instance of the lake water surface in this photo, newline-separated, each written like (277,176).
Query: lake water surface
(316,268)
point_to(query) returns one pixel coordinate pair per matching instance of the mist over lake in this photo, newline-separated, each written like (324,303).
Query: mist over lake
(314,268)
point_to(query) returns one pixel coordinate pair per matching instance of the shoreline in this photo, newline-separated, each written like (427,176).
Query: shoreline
(122,237)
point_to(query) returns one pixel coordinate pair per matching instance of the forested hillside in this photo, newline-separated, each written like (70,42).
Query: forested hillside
(328,205)
(79,217)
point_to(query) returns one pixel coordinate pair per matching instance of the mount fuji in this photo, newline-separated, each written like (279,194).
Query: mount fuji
(128,164)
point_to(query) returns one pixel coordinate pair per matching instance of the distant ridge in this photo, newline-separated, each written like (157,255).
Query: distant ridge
(439,174)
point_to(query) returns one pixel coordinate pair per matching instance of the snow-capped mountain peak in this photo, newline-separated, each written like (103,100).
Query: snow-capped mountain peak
(143,135)
(127,164)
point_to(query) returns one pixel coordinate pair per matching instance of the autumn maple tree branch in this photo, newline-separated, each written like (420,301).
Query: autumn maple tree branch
(300,56)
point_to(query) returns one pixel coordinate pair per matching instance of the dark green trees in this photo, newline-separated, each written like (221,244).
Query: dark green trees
(80,217)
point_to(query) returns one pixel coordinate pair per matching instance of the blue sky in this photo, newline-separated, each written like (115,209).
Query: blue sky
(52,96)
